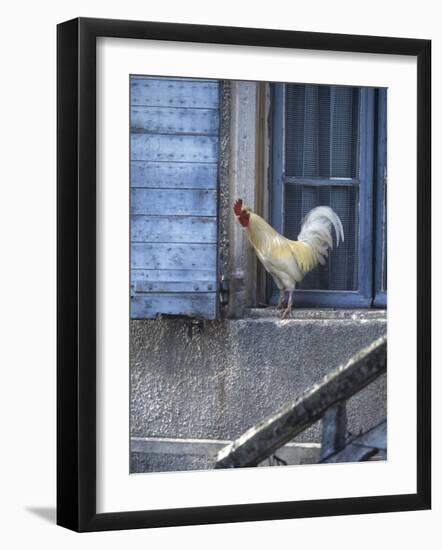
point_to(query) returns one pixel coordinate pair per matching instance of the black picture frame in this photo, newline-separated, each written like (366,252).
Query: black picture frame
(76,273)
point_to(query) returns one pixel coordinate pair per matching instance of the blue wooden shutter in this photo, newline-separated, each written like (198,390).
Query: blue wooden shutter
(174,174)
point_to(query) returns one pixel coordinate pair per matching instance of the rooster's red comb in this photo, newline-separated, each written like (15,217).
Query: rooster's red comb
(237,207)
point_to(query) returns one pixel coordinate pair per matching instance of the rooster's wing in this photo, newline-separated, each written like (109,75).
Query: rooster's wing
(280,261)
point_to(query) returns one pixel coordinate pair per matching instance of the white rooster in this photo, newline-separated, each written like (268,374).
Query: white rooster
(289,261)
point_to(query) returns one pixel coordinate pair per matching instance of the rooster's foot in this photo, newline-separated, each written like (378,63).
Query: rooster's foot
(288,309)
(281,300)
(287,313)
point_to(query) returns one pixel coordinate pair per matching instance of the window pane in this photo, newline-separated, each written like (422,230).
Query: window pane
(321,131)
(341,269)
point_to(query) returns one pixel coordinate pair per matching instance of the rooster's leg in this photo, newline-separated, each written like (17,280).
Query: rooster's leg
(288,310)
(281,299)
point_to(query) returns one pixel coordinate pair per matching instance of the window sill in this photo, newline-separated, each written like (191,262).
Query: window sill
(318,314)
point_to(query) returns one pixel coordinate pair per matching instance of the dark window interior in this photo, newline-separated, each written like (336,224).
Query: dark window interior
(322,142)
(329,146)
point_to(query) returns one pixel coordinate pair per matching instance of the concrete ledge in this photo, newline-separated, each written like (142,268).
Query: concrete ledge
(163,454)
(323,314)
(214,380)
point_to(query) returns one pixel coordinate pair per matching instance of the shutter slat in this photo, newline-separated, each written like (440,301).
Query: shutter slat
(166,202)
(175,121)
(183,229)
(185,175)
(174,93)
(191,305)
(173,275)
(161,147)
(165,286)
(173,256)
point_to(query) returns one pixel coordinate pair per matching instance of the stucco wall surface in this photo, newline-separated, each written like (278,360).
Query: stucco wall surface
(215,379)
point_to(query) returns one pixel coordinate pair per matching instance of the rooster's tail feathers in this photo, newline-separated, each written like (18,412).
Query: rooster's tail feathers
(316,230)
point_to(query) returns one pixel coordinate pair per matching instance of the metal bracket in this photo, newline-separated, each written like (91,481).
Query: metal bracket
(224,290)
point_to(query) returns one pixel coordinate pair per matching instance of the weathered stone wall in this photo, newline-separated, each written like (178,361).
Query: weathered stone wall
(213,380)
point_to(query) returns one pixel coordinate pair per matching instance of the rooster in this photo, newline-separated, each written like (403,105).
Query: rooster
(288,261)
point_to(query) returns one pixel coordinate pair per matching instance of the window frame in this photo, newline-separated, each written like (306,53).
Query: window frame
(368,178)
(380,293)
